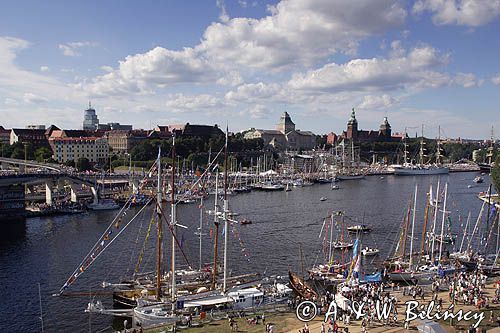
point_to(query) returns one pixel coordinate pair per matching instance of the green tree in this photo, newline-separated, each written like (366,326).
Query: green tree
(495,174)
(83,164)
(43,154)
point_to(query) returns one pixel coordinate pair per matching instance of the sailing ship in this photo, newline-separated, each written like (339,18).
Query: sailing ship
(423,167)
(350,163)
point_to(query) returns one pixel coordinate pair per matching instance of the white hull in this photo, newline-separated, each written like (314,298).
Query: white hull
(405,171)
(153,315)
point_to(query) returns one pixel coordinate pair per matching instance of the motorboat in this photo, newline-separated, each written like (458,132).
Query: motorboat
(245,221)
(359,228)
(342,245)
(478,180)
(335,187)
(323,199)
(368,252)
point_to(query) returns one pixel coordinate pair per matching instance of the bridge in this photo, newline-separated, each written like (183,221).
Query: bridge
(19,177)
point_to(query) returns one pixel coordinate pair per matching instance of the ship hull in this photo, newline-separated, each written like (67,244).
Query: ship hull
(423,171)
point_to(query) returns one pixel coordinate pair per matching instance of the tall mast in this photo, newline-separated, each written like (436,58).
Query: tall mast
(413,225)
(174,223)
(438,151)
(426,217)
(465,232)
(200,229)
(226,231)
(159,227)
(422,147)
(434,220)
(330,257)
(216,222)
(406,149)
(442,222)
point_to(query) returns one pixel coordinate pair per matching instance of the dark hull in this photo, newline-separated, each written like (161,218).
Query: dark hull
(300,287)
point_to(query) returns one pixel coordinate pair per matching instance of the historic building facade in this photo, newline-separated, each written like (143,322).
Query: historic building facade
(285,136)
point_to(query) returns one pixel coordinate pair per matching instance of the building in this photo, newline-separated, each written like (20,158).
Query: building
(36,137)
(42,127)
(189,130)
(383,134)
(114,127)
(122,141)
(4,136)
(285,136)
(95,149)
(90,120)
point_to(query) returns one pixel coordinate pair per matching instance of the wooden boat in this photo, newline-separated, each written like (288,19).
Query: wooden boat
(300,287)
(245,221)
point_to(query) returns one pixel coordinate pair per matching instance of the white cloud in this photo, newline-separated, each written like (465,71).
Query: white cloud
(252,91)
(223,13)
(180,102)
(460,12)
(378,102)
(415,68)
(232,78)
(106,68)
(467,80)
(44,69)
(243,3)
(71,49)
(258,111)
(496,79)
(158,67)
(300,32)
(34,99)
(11,102)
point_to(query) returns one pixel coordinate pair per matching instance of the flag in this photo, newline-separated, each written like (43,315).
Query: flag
(357,267)
(182,240)
(355,249)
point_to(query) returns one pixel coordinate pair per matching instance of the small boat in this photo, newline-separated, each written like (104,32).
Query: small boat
(478,180)
(245,221)
(368,251)
(342,245)
(300,287)
(323,199)
(359,228)
(335,187)
(154,315)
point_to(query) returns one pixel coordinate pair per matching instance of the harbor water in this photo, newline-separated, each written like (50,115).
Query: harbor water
(47,250)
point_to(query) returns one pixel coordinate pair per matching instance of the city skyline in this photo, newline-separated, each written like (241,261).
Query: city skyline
(246,62)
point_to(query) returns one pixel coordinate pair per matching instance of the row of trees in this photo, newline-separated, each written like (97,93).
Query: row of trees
(21,151)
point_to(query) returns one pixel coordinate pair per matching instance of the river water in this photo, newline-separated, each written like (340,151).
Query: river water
(45,251)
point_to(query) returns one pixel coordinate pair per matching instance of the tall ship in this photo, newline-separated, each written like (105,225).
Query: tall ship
(423,167)
(489,163)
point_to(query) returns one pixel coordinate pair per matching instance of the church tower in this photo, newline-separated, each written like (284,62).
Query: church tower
(385,130)
(286,124)
(352,127)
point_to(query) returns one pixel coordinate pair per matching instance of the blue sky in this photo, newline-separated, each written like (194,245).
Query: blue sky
(431,62)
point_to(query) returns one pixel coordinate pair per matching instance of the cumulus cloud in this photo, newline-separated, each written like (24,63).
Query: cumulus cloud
(471,13)
(378,102)
(496,79)
(300,32)
(180,102)
(416,68)
(44,69)
(72,49)
(252,91)
(158,67)
(258,111)
(297,32)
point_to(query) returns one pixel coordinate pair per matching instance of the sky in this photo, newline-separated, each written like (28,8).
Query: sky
(244,62)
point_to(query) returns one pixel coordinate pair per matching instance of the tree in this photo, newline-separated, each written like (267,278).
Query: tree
(43,154)
(495,174)
(83,164)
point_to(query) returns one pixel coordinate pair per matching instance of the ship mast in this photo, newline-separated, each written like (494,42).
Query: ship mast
(422,147)
(174,227)
(405,150)
(442,222)
(438,152)
(159,227)
(216,222)
(226,231)
(413,226)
